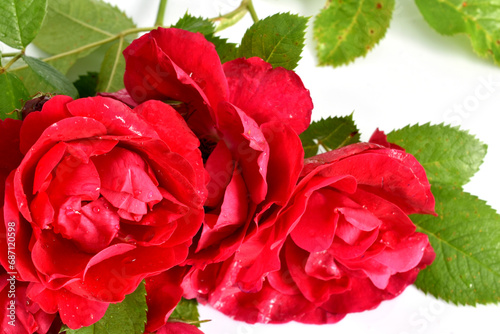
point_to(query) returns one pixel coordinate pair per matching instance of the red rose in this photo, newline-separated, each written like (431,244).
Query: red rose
(247,116)
(342,244)
(104,197)
(19,314)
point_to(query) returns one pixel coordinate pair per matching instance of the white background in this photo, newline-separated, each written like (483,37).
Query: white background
(413,76)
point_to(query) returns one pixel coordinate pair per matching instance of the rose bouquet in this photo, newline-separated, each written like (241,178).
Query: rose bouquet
(188,171)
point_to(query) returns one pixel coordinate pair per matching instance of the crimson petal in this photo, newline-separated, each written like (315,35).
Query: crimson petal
(268,94)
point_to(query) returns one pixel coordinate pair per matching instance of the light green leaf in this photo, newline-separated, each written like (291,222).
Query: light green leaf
(13,93)
(345,30)
(449,155)
(478,19)
(186,311)
(52,77)
(195,24)
(466,239)
(128,316)
(72,24)
(277,39)
(113,68)
(329,134)
(20,21)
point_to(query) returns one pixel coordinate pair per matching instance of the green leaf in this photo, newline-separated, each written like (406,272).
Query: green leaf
(20,21)
(87,84)
(226,51)
(277,39)
(47,73)
(329,134)
(113,68)
(449,155)
(13,93)
(478,19)
(128,316)
(195,24)
(31,79)
(466,239)
(345,30)
(186,311)
(72,24)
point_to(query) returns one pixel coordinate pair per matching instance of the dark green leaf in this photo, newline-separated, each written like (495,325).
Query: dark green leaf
(113,68)
(128,316)
(87,84)
(195,24)
(449,155)
(13,93)
(345,30)
(20,21)
(277,39)
(72,24)
(329,134)
(466,239)
(478,19)
(227,51)
(186,311)
(59,83)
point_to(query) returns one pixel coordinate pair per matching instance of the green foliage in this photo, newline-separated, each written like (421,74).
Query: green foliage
(227,51)
(87,84)
(345,30)
(186,311)
(128,316)
(478,19)
(330,134)
(449,155)
(20,21)
(113,68)
(32,81)
(466,233)
(13,93)
(195,24)
(466,239)
(278,39)
(73,24)
(51,76)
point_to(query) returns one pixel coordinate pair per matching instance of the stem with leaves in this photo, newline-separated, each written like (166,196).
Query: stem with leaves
(15,57)
(121,35)
(231,18)
(223,21)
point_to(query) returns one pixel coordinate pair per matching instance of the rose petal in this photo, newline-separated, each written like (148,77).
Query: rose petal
(286,158)
(75,311)
(316,228)
(53,111)
(10,154)
(56,257)
(125,181)
(268,94)
(157,68)
(64,130)
(220,167)
(248,146)
(163,293)
(178,328)
(92,227)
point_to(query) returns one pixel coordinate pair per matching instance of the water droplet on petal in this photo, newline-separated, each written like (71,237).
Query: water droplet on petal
(96,209)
